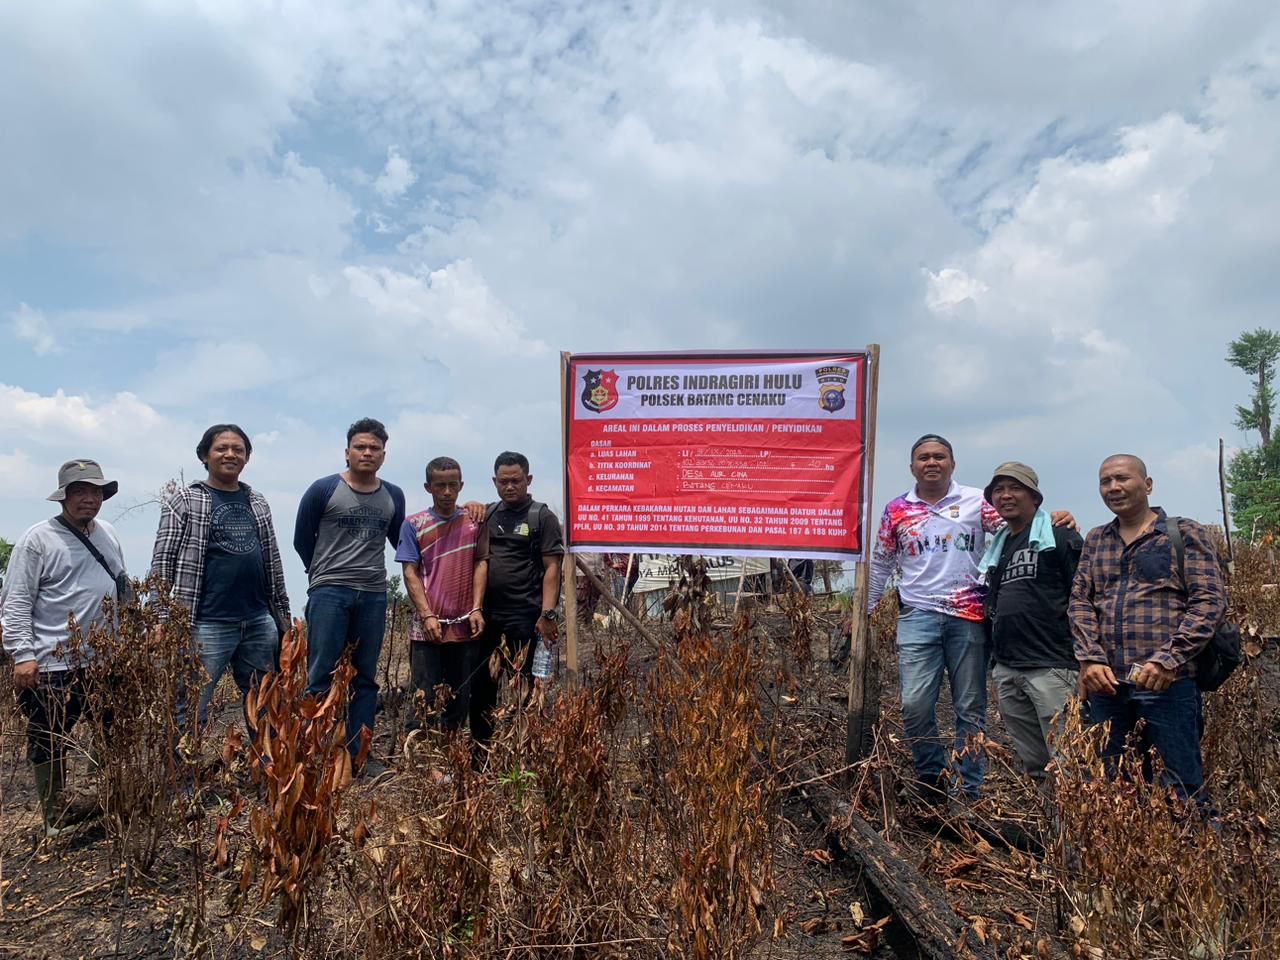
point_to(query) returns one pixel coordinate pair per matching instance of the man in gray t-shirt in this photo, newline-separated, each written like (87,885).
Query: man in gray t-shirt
(349,550)
(343,521)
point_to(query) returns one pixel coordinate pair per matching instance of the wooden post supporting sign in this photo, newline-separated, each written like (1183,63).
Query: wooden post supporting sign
(864,706)
(568,569)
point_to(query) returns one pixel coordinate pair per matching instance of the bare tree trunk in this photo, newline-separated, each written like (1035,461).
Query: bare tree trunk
(1264,410)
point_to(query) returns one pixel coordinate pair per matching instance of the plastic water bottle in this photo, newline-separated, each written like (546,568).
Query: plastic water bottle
(543,658)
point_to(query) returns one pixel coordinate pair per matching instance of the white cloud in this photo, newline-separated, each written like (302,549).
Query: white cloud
(396,177)
(951,287)
(442,307)
(23,412)
(33,327)
(195,371)
(1052,248)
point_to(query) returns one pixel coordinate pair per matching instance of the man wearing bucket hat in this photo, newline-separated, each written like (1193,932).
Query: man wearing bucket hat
(1029,566)
(59,568)
(932,537)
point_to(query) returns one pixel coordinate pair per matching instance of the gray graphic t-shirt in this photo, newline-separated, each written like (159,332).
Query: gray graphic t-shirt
(352,539)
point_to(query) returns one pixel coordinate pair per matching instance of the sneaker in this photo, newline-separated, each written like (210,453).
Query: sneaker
(374,772)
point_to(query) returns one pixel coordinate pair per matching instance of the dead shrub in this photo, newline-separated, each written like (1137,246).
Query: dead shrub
(710,774)
(421,878)
(136,677)
(300,764)
(1142,874)
(579,878)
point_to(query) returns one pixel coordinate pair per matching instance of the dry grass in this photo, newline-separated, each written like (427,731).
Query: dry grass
(642,814)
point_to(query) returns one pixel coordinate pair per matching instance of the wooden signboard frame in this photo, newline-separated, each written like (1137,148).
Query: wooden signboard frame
(859,716)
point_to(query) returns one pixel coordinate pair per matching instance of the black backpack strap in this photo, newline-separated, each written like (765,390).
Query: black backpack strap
(97,554)
(535,524)
(535,529)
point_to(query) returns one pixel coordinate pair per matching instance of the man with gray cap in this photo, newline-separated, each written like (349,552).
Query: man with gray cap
(59,568)
(1029,565)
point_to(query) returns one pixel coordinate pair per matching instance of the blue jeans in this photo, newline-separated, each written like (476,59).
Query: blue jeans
(247,646)
(928,643)
(337,618)
(1174,723)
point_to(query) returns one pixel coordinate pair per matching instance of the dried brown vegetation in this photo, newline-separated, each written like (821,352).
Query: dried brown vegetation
(136,676)
(641,813)
(299,761)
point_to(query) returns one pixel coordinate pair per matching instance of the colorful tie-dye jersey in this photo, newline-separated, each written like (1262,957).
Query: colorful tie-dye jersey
(936,548)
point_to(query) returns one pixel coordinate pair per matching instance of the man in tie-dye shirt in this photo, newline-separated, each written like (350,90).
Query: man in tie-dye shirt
(934,535)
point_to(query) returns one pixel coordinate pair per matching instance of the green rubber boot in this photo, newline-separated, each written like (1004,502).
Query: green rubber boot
(50,779)
(59,815)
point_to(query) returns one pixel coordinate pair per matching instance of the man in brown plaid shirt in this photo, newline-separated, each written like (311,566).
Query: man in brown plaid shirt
(1138,623)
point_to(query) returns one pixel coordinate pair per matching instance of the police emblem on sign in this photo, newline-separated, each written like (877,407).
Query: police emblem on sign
(599,390)
(831,383)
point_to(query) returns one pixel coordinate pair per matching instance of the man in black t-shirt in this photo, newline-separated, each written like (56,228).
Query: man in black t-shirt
(1030,565)
(523,592)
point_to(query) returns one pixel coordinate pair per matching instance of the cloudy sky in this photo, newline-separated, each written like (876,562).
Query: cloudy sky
(1051,216)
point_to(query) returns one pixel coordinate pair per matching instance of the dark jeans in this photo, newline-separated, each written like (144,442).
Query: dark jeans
(337,618)
(1174,723)
(517,628)
(452,664)
(52,708)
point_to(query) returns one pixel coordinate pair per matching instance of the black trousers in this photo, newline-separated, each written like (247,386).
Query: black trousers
(514,632)
(52,708)
(454,665)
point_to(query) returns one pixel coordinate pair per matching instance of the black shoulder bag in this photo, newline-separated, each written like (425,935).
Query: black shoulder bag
(1221,655)
(124,586)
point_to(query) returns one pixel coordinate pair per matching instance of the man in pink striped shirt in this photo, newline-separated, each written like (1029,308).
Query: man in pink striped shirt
(445,555)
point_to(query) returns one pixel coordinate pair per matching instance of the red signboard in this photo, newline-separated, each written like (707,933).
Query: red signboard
(735,453)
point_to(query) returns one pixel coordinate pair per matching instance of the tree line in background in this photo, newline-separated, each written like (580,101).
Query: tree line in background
(1253,475)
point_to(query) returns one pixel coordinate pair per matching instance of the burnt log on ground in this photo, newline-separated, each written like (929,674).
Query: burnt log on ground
(925,926)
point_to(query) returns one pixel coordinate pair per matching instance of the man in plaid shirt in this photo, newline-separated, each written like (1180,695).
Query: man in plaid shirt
(216,547)
(1138,623)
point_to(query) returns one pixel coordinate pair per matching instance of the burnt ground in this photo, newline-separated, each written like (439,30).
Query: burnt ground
(65,898)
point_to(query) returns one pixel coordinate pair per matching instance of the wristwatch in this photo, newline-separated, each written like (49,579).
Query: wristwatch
(551,616)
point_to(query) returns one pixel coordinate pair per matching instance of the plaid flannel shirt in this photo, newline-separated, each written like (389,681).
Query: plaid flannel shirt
(183,537)
(1129,605)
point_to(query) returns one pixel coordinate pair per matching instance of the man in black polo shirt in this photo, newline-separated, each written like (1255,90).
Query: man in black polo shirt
(1030,565)
(523,592)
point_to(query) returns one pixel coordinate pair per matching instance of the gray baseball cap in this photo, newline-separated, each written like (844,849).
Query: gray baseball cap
(83,471)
